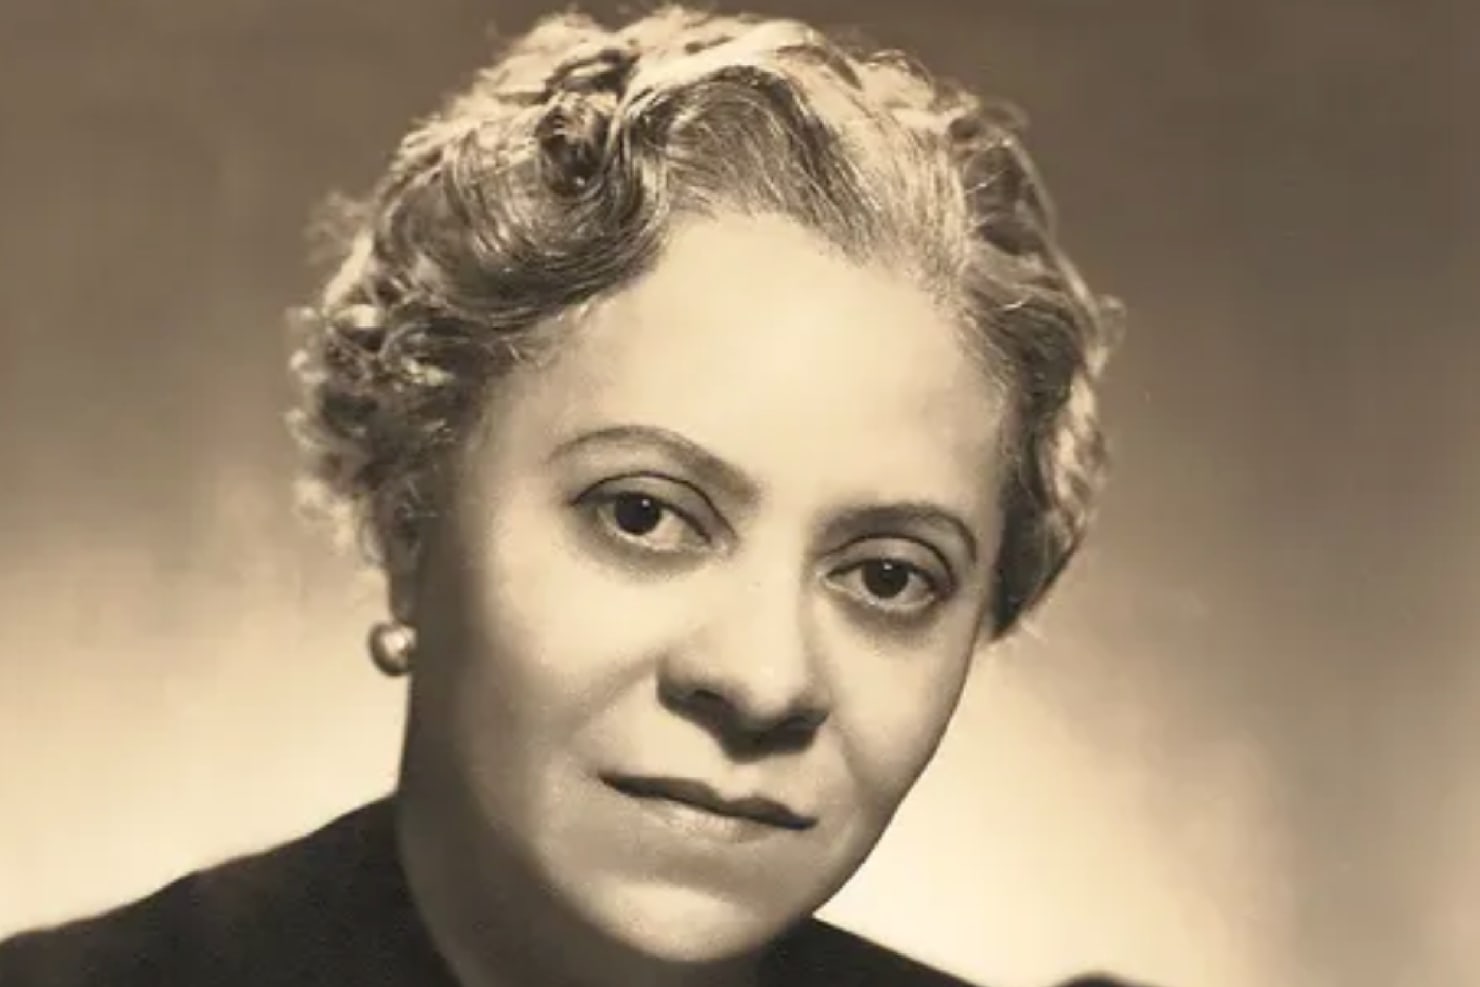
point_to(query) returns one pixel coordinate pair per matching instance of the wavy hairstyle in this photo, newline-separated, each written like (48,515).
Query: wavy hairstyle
(554,180)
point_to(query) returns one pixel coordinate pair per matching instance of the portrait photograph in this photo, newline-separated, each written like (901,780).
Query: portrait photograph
(936,494)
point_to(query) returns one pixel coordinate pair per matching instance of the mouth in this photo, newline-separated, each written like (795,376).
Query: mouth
(698,795)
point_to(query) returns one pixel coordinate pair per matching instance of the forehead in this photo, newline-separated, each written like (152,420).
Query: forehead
(754,338)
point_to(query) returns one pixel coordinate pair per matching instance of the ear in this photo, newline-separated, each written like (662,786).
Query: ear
(408,529)
(400,544)
(401,562)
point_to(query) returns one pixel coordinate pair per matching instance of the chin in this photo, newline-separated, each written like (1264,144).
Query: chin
(686,925)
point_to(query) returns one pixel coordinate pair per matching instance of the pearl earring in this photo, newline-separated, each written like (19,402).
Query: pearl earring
(391,646)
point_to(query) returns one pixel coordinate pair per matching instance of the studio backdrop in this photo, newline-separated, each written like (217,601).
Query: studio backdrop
(1236,750)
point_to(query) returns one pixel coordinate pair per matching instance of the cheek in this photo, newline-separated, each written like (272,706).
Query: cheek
(572,630)
(891,708)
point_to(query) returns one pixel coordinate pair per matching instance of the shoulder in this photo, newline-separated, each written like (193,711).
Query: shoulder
(821,953)
(303,910)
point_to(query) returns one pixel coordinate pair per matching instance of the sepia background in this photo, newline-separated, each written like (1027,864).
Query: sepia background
(1237,749)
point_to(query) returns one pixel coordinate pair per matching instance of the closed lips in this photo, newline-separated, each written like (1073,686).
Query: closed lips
(701,796)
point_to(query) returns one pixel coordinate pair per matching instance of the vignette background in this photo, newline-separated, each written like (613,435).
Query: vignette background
(1234,750)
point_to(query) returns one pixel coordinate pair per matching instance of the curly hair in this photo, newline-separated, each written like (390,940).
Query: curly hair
(554,179)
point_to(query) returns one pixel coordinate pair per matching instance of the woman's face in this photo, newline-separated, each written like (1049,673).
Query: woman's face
(706,593)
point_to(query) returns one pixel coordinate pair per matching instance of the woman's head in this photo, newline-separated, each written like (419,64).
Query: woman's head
(555,178)
(709,394)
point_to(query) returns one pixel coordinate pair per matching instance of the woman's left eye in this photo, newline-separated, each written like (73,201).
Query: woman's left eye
(889,584)
(649,522)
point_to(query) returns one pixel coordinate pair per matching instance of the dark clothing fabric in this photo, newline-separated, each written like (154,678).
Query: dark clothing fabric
(333,908)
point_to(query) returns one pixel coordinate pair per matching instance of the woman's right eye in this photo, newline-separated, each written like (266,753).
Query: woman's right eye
(647,521)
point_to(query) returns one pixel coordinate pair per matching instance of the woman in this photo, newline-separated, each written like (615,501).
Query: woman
(708,394)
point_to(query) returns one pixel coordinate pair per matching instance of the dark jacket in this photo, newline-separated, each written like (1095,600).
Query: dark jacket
(332,908)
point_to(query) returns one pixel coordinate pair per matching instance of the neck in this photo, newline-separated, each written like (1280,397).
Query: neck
(493,928)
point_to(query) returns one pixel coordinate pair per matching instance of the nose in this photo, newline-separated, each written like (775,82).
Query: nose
(753,676)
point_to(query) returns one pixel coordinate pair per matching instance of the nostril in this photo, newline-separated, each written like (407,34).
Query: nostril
(741,728)
(809,720)
(708,701)
(797,730)
(704,705)
(794,733)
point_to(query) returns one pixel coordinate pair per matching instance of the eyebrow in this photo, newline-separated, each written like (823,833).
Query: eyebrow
(914,512)
(688,452)
(695,457)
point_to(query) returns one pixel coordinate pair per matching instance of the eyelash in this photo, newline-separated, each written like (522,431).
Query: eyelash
(930,584)
(602,501)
